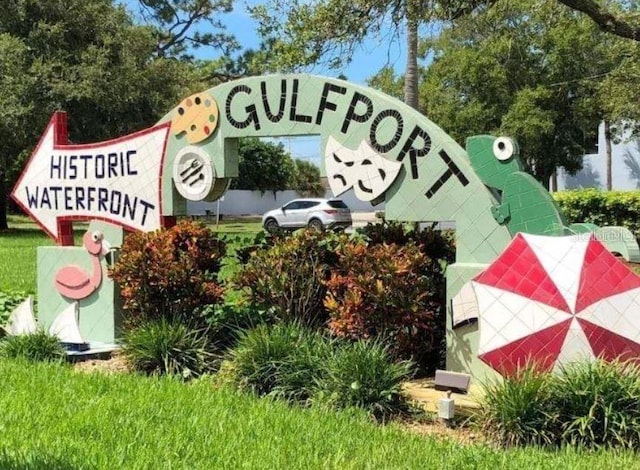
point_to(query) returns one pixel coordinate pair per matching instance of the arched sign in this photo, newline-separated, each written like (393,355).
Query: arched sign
(370,142)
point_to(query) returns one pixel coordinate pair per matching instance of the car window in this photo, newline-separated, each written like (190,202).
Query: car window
(293,205)
(309,204)
(337,204)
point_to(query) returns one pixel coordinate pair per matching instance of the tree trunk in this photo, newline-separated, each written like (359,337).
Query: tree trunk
(3,206)
(411,74)
(607,152)
(553,183)
(3,202)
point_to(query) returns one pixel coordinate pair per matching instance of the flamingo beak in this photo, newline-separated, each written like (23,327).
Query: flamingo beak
(106,247)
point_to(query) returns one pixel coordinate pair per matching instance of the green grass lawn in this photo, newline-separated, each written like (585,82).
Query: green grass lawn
(18,248)
(18,254)
(53,417)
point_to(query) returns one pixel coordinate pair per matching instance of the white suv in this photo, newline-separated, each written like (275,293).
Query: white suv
(312,212)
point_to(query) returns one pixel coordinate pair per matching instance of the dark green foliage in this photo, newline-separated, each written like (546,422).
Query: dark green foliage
(289,276)
(8,302)
(307,179)
(603,208)
(166,347)
(260,241)
(436,244)
(587,404)
(364,375)
(226,322)
(39,346)
(283,360)
(597,404)
(263,166)
(515,411)
(169,273)
(291,362)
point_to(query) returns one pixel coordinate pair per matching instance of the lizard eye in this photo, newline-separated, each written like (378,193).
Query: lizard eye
(504,148)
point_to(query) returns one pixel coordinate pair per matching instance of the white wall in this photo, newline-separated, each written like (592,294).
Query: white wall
(625,167)
(240,202)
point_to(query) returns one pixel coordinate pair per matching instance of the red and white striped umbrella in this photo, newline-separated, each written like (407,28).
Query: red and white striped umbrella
(553,300)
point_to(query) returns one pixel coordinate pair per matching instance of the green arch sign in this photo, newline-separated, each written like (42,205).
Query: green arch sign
(370,142)
(376,144)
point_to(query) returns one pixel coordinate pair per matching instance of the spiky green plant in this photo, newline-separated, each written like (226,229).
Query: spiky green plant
(597,404)
(159,347)
(516,410)
(363,374)
(39,346)
(281,360)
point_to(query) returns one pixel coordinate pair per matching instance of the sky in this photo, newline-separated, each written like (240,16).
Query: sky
(374,54)
(369,58)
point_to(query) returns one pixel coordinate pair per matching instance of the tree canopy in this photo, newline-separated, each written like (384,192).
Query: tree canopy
(87,58)
(307,179)
(263,166)
(176,25)
(267,166)
(532,70)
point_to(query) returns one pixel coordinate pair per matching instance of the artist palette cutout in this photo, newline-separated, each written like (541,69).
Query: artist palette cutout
(363,169)
(196,117)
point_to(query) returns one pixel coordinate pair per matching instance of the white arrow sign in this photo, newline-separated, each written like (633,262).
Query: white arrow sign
(117,180)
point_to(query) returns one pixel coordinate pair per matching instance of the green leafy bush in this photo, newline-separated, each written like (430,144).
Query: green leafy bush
(39,346)
(289,276)
(167,347)
(169,273)
(439,248)
(598,404)
(516,410)
(297,364)
(588,404)
(8,302)
(381,291)
(603,208)
(281,360)
(363,375)
(226,321)
(438,245)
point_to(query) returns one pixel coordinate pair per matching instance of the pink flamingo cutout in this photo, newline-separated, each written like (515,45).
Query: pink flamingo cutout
(75,283)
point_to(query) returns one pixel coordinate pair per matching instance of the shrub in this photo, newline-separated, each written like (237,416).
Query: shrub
(439,248)
(167,347)
(603,208)
(8,302)
(588,404)
(381,292)
(281,360)
(598,404)
(516,410)
(363,375)
(226,321)
(39,346)
(438,245)
(289,276)
(169,273)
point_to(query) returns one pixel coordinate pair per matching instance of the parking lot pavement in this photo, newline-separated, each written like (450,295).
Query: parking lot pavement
(360,219)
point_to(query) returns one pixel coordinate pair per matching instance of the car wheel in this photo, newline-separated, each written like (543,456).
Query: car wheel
(271,226)
(316,224)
